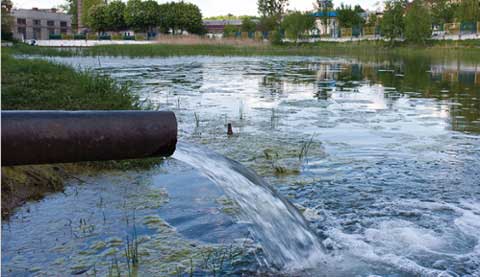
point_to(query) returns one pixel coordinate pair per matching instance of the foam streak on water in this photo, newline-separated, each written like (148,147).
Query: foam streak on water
(281,230)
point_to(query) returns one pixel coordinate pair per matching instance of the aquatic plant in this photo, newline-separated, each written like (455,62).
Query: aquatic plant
(131,253)
(197,119)
(240,110)
(303,154)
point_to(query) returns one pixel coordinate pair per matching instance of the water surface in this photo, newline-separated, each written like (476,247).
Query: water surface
(382,156)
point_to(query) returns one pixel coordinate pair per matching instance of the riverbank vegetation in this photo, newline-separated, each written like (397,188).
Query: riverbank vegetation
(196,46)
(30,84)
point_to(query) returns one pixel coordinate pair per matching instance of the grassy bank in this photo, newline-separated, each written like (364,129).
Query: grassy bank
(40,85)
(181,48)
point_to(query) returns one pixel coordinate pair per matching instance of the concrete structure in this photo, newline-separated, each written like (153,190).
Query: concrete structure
(327,23)
(79,16)
(40,24)
(218,26)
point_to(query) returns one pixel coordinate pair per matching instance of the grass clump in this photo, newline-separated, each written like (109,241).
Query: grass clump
(30,84)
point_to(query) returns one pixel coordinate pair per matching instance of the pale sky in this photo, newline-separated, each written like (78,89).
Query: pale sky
(215,7)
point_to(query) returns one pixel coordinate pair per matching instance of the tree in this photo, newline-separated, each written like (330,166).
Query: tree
(272,8)
(180,16)
(167,20)
(115,16)
(297,24)
(349,17)
(323,5)
(372,20)
(151,14)
(134,15)
(267,23)
(97,18)
(443,11)
(70,7)
(86,6)
(392,23)
(189,18)
(418,23)
(7,20)
(468,11)
(248,25)
(230,30)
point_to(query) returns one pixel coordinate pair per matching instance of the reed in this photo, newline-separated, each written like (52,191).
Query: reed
(196,46)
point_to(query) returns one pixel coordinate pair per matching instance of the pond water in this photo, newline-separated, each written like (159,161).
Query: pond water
(380,154)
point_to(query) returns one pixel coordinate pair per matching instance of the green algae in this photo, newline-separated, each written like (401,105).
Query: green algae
(228,205)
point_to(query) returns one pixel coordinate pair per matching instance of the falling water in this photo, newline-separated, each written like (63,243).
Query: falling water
(280,228)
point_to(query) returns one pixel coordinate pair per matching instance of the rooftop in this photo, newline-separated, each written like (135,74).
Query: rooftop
(322,14)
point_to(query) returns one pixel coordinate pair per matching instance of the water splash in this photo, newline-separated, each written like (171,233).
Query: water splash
(280,228)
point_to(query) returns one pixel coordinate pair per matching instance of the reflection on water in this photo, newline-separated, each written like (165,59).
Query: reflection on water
(381,154)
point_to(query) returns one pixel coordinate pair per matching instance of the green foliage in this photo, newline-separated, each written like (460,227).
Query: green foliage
(418,23)
(443,11)
(392,23)
(276,38)
(230,30)
(468,11)
(177,17)
(297,24)
(322,5)
(115,15)
(248,25)
(189,18)
(97,18)
(167,19)
(372,20)
(42,85)
(151,14)
(134,15)
(272,8)
(349,17)
(469,49)
(267,24)
(7,23)
(70,7)
(86,6)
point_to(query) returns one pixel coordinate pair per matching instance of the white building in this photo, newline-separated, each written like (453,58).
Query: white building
(327,23)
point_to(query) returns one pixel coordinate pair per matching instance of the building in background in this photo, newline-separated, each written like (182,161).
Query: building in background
(39,24)
(327,23)
(218,26)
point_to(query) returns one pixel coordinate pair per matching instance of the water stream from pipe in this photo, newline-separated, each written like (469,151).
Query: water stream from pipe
(275,223)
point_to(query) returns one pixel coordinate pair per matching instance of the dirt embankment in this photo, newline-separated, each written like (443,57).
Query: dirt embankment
(23,183)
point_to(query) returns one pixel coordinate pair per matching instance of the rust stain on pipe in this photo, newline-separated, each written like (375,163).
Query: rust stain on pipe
(42,137)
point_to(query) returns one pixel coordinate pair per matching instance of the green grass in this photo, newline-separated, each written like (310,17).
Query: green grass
(306,49)
(30,84)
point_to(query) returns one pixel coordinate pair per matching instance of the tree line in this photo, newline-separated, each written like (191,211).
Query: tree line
(145,16)
(412,20)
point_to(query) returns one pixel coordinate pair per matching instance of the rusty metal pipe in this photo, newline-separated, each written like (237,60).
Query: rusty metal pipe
(43,137)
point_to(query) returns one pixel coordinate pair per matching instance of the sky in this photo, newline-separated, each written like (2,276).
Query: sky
(214,7)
